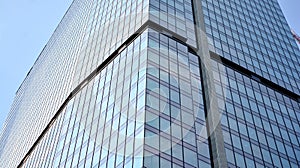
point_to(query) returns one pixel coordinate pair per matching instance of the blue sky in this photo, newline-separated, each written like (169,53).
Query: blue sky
(26,26)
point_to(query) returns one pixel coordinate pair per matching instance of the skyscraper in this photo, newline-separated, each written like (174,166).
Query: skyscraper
(170,83)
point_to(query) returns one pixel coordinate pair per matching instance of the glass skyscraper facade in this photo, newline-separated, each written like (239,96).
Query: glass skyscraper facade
(160,83)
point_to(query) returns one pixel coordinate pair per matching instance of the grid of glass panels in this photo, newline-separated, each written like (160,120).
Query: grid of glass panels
(49,144)
(175,129)
(104,123)
(260,125)
(110,23)
(89,32)
(255,35)
(176,16)
(48,79)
